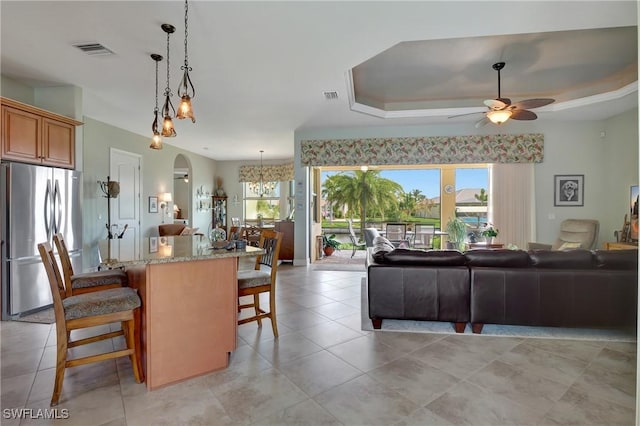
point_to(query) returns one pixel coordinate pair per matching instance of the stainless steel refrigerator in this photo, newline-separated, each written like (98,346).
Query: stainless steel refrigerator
(37,202)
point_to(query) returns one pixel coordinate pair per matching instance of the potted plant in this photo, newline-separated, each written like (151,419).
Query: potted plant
(490,233)
(456,231)
(329,244)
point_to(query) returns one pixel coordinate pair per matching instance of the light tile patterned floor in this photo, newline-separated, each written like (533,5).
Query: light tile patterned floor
(325,370)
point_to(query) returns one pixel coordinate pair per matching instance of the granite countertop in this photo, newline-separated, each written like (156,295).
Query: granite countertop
(156,250)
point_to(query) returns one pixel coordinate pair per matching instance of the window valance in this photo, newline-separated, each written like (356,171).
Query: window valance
(270,173)
(522,148)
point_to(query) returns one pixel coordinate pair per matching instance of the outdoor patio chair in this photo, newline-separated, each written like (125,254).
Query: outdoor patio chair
(397,234)
(424,236)
(355,245)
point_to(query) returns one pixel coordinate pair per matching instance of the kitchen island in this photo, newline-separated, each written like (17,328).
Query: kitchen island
(189,296)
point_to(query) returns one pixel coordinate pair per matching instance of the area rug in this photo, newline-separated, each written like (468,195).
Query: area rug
(492,329)
(46,316)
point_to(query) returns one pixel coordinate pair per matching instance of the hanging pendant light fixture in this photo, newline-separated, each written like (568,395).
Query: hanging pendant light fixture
(186,91)
(156,142)
(262,188)
(168,110)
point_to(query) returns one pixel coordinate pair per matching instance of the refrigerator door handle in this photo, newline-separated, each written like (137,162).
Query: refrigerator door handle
(57,208)
(47,209)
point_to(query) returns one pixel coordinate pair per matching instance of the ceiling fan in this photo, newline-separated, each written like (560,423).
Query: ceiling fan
(501,109)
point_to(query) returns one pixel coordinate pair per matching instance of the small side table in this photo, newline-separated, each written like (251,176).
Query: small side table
(473,246)
(620,246)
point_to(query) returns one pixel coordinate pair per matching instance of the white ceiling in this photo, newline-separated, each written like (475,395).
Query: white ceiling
(260,68)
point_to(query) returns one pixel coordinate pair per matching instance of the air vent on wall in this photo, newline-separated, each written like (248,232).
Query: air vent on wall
(330,96)
(93,48)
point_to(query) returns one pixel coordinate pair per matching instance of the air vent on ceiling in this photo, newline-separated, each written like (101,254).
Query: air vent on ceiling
(93,48)
(330,96)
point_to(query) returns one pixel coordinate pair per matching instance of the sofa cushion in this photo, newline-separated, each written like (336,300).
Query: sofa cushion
(616,259)
(570,259)
(498,258)
(401,256)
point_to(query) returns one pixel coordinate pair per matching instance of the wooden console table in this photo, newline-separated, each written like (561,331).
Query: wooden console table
(620,246)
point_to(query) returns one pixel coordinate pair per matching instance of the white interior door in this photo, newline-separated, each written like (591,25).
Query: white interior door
(125,209)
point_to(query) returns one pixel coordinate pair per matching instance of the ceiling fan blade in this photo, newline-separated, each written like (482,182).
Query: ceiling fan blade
(523,114)
(483,122)
(496,104)
(533,103)
(505,101)
(469,113)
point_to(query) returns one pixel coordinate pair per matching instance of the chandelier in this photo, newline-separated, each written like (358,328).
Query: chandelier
(186,91)
(156,142)
(168,130)
(262,188)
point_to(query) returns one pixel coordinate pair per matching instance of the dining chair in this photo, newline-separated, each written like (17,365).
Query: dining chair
(90,310)
(252,234)
(85,282)
(424,236)
(257,281)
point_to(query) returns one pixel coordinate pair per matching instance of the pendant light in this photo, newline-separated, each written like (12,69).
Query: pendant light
(167,124)
(156,142)
(186,91)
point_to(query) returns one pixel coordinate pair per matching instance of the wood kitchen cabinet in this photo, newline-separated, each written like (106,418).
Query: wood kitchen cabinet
(33,135)
(286,246)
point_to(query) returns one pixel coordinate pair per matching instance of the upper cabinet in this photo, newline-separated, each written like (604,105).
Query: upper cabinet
(33,135)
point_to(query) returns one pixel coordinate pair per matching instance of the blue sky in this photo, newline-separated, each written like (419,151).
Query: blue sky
(428,180)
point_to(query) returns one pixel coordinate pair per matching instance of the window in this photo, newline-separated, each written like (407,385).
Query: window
(277,203)
(267,206)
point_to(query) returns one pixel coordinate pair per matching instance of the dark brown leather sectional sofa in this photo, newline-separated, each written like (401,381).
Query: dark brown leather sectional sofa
(576,288)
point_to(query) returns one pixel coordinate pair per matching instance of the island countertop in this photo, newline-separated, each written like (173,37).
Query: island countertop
(117,253)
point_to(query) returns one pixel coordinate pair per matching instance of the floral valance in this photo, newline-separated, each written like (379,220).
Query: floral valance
(270,173)
(523,148)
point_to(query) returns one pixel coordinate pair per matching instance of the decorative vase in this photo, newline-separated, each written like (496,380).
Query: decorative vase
(220,192)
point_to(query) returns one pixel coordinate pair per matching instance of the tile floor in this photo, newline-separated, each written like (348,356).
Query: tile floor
(324,370)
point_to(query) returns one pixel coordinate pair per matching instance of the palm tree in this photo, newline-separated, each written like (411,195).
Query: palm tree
(359,190)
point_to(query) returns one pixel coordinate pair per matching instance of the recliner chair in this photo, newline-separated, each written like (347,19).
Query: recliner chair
(574,234)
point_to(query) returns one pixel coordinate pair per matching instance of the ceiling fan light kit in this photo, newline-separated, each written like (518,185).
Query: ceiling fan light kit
(499,116)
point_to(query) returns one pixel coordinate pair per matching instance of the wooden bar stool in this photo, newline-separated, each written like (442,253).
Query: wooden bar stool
(90,310)
(86,282)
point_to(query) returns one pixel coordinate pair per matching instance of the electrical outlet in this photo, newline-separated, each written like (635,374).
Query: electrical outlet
(552,216)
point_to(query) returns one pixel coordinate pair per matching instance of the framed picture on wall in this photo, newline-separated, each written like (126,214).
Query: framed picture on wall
(153,244)
(568,190)
(153,204)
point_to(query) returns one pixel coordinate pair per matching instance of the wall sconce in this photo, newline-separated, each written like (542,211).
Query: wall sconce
(165,198)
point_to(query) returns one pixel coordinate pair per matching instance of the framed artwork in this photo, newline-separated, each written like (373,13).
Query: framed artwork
(153,244)
(568,190)
(153,204)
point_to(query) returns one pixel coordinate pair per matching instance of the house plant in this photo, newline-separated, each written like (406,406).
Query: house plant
(457,231)
(490,233)
(329,244)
